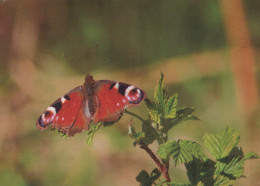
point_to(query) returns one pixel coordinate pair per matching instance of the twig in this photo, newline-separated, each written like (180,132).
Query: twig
(163,169)
(135,115)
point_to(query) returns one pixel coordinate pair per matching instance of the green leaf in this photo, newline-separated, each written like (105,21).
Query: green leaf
(222,180)
(250,155)
(155,174)
(222,144)
(234,169)
(182,151)
(193,170)
(208,171)
(144,178)
(186,114)
(159,93)
(167,149)
(155,111)
(137,136)
(170,110)
(150,133)
(92,132)
(181,115)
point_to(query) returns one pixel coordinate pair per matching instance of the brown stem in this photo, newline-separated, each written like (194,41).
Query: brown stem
(163,168)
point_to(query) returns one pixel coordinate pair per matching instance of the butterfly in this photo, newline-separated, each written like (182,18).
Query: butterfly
(97,101)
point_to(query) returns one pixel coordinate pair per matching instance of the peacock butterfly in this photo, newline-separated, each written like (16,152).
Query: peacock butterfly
(97,101)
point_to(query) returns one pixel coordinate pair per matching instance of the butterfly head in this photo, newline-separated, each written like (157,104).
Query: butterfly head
(89,84)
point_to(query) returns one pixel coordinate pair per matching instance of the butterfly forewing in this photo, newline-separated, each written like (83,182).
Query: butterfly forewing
(113,98)
(65,114)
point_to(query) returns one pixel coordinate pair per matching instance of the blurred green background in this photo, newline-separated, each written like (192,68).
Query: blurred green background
(208,51)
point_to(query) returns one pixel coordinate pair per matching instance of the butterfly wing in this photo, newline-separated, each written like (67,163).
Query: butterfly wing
(66,114)
(113,98)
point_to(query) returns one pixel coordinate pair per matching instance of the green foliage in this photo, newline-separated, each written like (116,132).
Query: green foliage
(163,114)
(182,151)
(201,170)
(92,132)
(228,164)
(224,169)
(162,107)
(145,179)
(221,145)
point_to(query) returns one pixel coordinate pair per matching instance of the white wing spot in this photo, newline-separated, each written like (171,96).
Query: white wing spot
(118,104)
(116,85)
(124,100)
(52,109)
(62,118)
(63,100)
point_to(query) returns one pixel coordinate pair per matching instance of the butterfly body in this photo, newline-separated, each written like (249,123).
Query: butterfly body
(97,101)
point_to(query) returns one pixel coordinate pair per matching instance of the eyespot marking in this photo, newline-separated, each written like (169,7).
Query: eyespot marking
(134,95)
(47,117)
(47,113)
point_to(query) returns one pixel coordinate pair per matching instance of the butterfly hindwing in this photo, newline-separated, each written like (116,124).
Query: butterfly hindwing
(65,114)
(114,98)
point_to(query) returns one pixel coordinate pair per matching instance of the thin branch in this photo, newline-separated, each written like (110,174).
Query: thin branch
(135,115)
(163,169)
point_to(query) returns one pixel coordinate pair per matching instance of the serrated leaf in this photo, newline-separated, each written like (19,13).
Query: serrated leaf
(221,145)
(186,114)
(250,155)
(159,93)
(155,111)
(222,180)
(234,169)
(167,149)
(182,151)
(92,132)
(150,134)
(170,110)
(193,170)
(182,114)
(144,179)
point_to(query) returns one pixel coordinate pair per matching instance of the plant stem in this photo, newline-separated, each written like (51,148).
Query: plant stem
(163,168)
(135,115)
